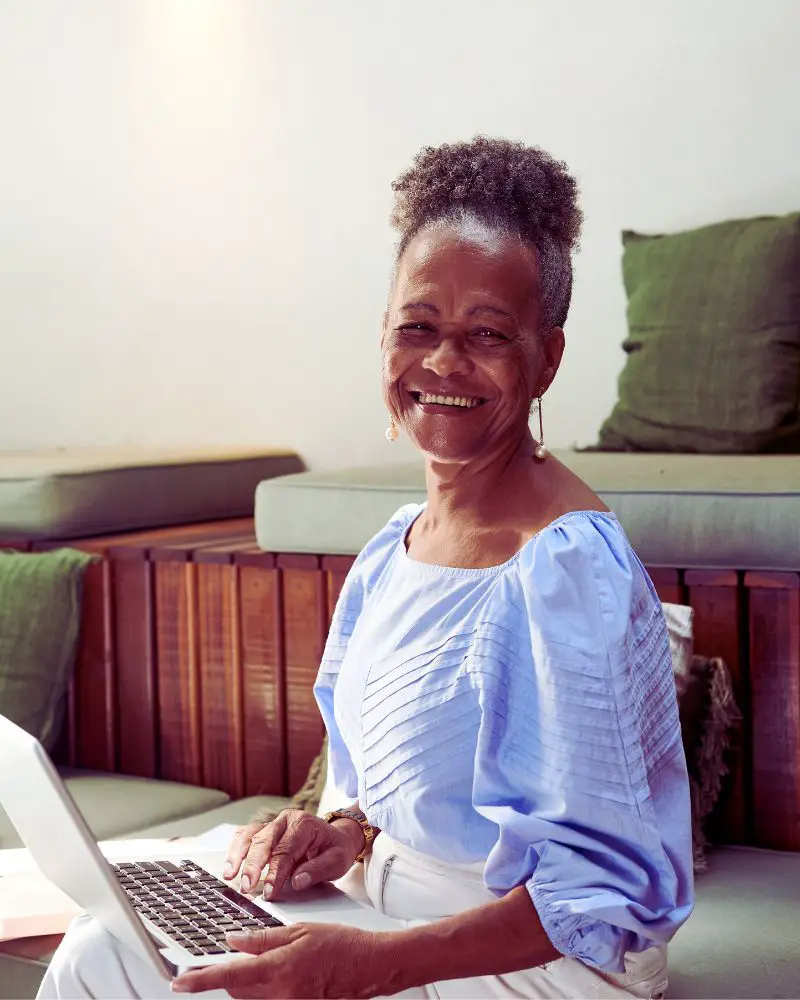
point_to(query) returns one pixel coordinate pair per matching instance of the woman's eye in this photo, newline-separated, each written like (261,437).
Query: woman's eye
(413,329)
(490,335)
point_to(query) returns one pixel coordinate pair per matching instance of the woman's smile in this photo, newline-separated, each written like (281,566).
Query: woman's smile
(448,404)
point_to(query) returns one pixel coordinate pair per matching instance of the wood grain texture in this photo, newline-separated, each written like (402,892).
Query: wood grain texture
(135,658)
(720,629)
(220,665)
(177,630)
(178,669)
(95,682)
(774,601)
(336,569)
(305,625)
(668,584)
(263,673)
(91,718)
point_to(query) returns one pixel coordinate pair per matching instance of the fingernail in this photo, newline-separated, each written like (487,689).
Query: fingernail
(236,938)
(244,885)
(267,890)
(302,880)
(227,871)
(176,987)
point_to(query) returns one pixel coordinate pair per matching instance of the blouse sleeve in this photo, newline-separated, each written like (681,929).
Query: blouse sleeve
(580,762)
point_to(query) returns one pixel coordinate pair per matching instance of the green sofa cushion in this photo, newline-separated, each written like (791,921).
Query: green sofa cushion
(240,812)
(677,510)
(40,609)
(88,492)
(115,804)
(713,340)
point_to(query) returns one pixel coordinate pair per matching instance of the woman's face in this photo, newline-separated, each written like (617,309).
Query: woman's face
(463,352)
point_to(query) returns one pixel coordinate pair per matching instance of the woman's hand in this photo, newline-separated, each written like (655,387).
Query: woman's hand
(304,960)
(297,845)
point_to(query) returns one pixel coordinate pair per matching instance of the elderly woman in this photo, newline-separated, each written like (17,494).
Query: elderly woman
(497,684)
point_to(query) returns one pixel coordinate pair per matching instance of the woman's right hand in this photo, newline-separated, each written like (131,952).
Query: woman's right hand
(296,845)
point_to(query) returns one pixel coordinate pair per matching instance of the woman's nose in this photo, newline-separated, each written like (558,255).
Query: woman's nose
(448,358)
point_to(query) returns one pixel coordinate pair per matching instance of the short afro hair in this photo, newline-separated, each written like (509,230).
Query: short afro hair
(520,190)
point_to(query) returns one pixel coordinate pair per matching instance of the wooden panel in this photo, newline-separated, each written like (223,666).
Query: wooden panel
(90,740)
(668,585)
(178,670)
(219,654)
(305,626)
(178,664)
(135,660)
(263,675)
(94,684)
(98,735)
(336,569)
(774,600)
(15,544)
(720,630)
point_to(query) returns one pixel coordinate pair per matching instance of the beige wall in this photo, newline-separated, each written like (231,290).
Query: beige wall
(194,193)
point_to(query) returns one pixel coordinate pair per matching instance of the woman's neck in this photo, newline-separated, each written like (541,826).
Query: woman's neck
(486,490)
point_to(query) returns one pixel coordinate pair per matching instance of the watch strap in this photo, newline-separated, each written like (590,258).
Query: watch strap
(355,814)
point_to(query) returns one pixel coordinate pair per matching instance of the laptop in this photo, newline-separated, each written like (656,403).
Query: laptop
(174,913)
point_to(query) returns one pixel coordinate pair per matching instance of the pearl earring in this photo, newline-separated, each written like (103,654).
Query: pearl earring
(391,432)
(540,453)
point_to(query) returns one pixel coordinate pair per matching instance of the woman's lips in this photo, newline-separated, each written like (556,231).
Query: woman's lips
(450,404)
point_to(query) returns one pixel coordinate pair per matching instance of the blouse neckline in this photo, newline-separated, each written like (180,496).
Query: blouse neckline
(468,572)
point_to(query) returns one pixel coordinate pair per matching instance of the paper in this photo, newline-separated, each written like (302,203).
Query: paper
(30,906)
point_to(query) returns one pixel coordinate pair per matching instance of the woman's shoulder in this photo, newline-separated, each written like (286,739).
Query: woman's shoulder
(383,544)
(580,574)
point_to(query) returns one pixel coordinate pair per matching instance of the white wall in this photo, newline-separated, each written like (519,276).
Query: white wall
(194,245)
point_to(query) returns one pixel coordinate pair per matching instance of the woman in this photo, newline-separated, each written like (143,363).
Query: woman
(497,685)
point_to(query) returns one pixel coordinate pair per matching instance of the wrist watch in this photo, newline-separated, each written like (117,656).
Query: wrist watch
(363,822)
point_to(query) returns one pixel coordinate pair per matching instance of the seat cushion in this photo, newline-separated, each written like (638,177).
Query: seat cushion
(74,494)
(742,939)
(678,510)
(239,813)
(114,804)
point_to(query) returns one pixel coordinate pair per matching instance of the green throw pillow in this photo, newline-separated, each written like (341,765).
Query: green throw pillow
(40,611)
(713,341)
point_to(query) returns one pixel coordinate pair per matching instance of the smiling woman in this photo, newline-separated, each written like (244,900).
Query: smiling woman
(496,685)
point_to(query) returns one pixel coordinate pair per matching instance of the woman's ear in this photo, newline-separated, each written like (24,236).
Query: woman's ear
(553,349)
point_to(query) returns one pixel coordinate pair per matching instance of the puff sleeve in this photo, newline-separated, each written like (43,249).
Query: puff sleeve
(579,762)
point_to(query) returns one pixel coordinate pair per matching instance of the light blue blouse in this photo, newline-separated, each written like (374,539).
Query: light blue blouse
(524,715)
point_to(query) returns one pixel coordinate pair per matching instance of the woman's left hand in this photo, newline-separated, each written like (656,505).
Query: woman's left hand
(302,960)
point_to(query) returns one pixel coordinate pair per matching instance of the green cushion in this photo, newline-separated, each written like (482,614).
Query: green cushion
(713,340)
(115,804)
(40,605)
(239,813)
(87,492)
(678,510)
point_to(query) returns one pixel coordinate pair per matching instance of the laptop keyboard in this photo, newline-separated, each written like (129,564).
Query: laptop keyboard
(194,908)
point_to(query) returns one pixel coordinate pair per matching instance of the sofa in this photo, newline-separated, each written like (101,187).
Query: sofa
(694,522)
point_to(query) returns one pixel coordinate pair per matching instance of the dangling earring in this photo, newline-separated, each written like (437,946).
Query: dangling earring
(540,454)
(391,432)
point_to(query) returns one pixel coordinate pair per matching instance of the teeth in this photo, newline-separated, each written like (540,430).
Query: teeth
(465,401)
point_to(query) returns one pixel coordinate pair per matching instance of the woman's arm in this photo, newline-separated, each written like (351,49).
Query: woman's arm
(490,940)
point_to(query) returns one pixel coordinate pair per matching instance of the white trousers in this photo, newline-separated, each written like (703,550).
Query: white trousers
(414,888)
